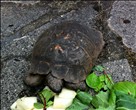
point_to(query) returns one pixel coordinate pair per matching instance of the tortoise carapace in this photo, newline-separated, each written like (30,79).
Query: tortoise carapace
(64,55)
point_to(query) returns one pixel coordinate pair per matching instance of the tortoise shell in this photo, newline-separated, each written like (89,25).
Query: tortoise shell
(64,55)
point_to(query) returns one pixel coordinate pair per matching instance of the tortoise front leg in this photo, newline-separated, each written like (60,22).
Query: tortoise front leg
(54,83)
(75,86)
(34,79)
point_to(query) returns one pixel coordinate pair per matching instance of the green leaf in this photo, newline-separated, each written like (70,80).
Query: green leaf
(38,105)
(105,87)
(77,105)
(98,82)
(108,81)
(93,80)
(47,93)
(125,101)
(99,87)
(126,87)
(102,78)
(112,98)
(101,99)
(49,103)
(98,68)
(111,107)
(123,108)
(84,97)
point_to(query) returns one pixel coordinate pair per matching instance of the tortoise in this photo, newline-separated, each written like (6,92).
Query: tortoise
(64,55)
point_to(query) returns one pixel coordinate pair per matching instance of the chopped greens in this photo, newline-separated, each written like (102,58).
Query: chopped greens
(84,97)
(45,95)
(38,105)
(110,96)
(101,100)
(125,101)
(126,87)
(77,105)
(94,82)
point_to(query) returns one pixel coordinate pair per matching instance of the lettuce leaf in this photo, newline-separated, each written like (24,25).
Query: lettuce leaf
(101,100)
(125,101)
(126,87)
(84,97)
(77,105)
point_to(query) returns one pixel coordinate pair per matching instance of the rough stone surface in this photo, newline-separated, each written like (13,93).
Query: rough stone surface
(22,45)
(18,47)
(119,70)
(123,22)
(12,81)
(21,1)
(19,19)
(14,17)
